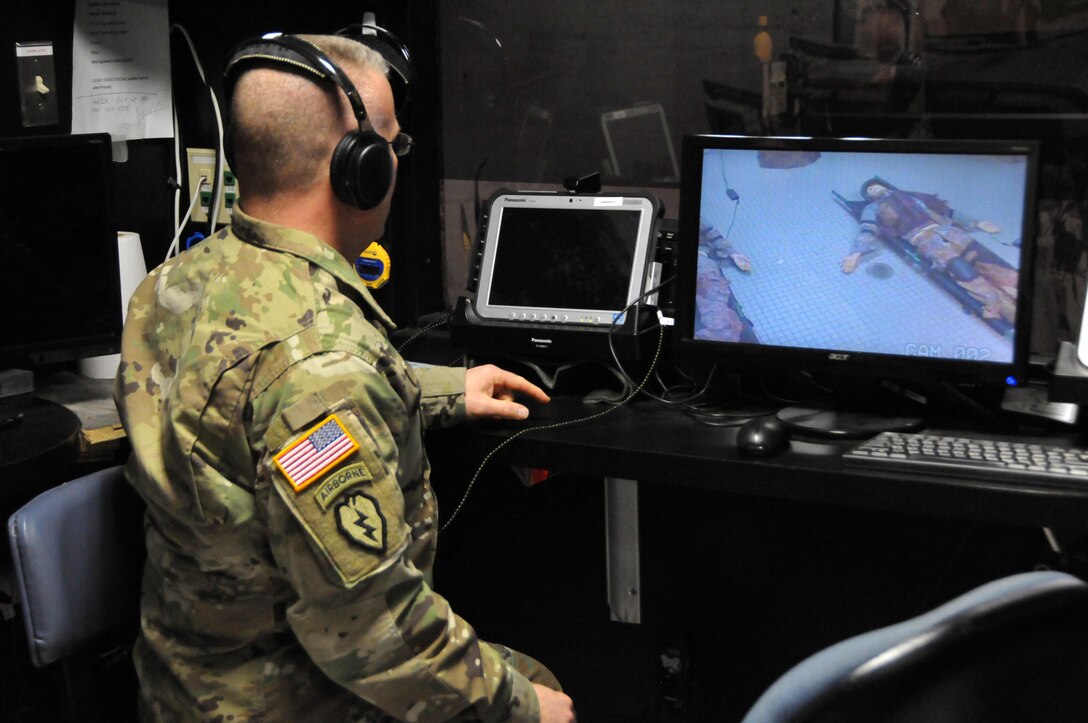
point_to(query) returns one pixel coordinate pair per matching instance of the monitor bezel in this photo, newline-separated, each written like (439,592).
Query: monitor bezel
(645,205)
(745,355)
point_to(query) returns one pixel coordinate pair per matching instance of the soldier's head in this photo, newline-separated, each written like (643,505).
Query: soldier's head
(309,110)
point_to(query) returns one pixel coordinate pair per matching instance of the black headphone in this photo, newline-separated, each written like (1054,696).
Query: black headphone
(361,170)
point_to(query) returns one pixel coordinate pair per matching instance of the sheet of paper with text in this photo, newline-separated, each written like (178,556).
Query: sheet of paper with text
(121,69)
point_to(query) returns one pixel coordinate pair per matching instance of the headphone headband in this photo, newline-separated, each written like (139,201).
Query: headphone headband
(389,45)
(297,54)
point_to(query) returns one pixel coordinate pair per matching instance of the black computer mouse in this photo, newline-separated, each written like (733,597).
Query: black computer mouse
(763,437)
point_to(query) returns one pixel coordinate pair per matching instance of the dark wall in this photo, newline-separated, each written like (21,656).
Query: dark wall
(525,86)
(145,194)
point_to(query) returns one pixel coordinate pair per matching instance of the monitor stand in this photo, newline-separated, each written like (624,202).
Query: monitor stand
(859,408)
(847,423)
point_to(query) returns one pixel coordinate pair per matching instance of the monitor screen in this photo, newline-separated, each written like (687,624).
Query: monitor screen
(894,258)
(59,280)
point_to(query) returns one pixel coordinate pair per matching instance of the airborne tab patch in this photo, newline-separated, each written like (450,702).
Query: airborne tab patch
(318,450)
(341,480)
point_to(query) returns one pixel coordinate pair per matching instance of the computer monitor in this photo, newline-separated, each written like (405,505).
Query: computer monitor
(904,260)
(59,281)
(640,146)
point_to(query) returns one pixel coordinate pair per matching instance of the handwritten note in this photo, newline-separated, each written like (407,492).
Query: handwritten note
(121,69)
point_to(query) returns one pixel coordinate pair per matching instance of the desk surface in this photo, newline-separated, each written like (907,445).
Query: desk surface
(70,426)
(39,445)
(653,443)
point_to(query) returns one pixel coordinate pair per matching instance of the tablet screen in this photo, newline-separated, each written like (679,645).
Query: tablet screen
(563,259)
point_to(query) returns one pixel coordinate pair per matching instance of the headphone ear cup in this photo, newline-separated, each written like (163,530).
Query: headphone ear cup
(361,170)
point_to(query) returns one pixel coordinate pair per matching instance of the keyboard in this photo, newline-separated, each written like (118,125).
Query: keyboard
(978,458)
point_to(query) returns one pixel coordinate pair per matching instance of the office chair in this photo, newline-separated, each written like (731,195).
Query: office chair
(1015,649)
(78,556)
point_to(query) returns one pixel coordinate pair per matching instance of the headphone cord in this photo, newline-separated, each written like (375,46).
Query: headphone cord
(420,332)
(569,422)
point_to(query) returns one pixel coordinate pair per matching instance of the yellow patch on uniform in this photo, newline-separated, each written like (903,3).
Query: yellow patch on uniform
(318,450)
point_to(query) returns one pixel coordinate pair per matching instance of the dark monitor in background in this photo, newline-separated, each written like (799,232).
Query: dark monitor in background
(860,259)
(640,148)
(59,282)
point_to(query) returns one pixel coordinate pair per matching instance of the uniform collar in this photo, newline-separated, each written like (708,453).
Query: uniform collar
(307,246)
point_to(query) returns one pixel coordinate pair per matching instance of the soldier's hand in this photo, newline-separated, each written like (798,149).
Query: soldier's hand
(850,263)
(989,227)
(555,707)
(490,392)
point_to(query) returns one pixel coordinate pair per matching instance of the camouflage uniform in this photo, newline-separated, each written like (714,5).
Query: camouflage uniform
(291,529)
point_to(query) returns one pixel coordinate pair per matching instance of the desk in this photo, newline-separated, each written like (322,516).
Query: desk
(68,426)
(102,440)
(649,442)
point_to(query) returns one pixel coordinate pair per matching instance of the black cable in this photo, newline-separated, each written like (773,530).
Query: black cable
(992,418)
(690,396)
(214,201)
(425,330)
(566,423)
(615,357)
(825,392)
(736,205)
(733,196)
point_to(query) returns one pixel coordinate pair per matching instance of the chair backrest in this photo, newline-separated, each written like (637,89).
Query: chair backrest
(78,552)
(1014,649)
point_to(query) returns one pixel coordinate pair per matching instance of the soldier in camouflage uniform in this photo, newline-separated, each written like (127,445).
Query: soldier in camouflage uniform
(278,442)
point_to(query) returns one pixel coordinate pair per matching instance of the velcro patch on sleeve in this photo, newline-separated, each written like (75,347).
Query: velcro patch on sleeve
(349,505)
(317,451)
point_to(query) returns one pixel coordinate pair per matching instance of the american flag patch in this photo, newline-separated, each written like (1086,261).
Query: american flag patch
(315,453)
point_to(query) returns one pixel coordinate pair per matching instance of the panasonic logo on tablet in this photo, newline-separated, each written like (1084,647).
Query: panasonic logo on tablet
(534,340)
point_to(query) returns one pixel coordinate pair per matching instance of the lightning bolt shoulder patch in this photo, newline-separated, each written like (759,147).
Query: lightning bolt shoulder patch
(360,519)
(347,503)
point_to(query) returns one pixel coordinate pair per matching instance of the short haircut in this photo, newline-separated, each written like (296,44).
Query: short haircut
(284,124)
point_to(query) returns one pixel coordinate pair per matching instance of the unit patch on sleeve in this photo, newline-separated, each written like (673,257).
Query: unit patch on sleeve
(317,451)
(346,499)
(360,519)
